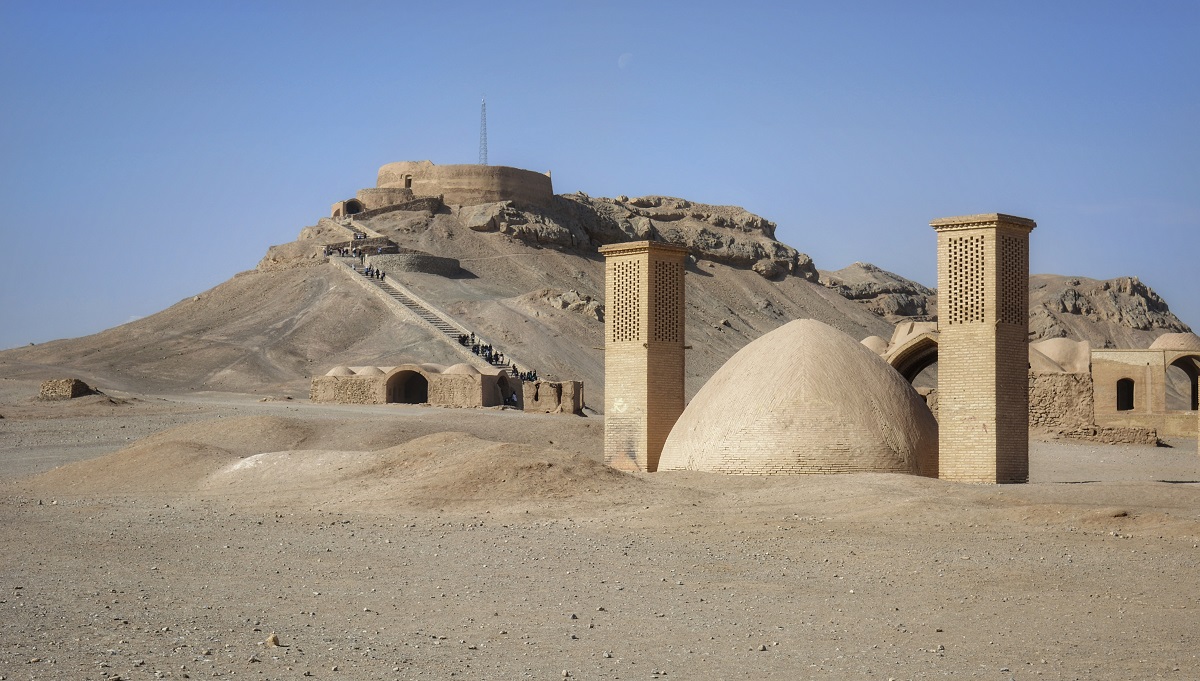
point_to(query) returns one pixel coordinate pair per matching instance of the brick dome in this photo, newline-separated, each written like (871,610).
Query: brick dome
(1176,341)
(805,398)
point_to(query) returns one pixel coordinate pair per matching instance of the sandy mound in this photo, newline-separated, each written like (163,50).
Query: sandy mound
(444,469)
(175,459)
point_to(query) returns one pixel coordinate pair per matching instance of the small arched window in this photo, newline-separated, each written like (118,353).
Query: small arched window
(1125,394)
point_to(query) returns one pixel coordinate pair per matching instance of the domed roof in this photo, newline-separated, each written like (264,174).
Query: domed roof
(462,369)
(433,368)
(1176,341)
(340,371)
(875,344)
(369,371)
(804,398)
(1070,356)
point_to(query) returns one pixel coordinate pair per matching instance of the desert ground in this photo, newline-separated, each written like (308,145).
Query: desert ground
(214,535)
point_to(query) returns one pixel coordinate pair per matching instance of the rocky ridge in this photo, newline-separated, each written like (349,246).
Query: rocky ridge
(1114,313)
(884,293)
(726,234)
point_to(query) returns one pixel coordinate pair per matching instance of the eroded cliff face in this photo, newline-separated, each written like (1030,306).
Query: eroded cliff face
(884,293)
(1121,312)
(726,234)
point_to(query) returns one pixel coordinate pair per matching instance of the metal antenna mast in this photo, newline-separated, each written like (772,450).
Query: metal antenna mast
(483,133)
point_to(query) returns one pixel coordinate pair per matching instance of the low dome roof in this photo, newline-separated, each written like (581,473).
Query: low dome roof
(1073,357)
(804,398)
(340,371)
(1176,341)
(433,368)
(370,371)
(462,369)
(875,344)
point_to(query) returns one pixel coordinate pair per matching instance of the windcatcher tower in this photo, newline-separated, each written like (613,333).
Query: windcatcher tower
(643,351)
(983,355)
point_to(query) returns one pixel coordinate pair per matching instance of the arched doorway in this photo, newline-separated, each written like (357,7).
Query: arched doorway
(914,357)
(407,387)
(353,206)
(1183,383)
(1126,399)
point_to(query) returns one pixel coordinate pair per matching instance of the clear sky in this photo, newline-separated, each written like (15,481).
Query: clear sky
(151,150)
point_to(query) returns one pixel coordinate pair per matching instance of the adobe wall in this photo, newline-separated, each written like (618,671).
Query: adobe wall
(551,397)
(456,390)
(373,198)
(1147,369)
(347,390)
(467,185)
(1060,402)
(443,390)
(415,262)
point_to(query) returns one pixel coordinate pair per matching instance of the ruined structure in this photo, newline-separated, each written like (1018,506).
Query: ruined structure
(802,399)
(643,350)
(554,397)
(983,317)
(64,389)
(460,385)
(454,185)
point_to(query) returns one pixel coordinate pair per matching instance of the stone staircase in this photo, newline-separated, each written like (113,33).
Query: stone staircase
(402,299)
(418,309)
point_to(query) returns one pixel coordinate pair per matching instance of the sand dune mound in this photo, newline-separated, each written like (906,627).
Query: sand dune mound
(443,469)
(177,458)
(281,461)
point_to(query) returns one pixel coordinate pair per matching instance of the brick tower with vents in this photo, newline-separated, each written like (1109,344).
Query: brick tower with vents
(643,350)
(983,355)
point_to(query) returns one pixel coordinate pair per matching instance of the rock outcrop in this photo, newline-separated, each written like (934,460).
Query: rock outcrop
(726,234)
(1113,313)
(888,295)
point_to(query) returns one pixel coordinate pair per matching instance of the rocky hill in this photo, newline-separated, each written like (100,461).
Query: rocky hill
(531,283)
(888,295)
(1121,312)
(1112,313)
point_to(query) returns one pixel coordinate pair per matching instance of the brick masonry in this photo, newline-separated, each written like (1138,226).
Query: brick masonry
(643,350)
(983,384)
(1145,372)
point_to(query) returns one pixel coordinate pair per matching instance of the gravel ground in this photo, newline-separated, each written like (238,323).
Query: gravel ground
(218,536)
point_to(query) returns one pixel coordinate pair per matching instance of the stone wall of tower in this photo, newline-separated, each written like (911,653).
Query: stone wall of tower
(643,351)
(983,387)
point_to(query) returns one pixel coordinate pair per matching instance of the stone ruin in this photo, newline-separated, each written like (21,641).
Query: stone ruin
(460,385)
(554,397)
(64,389)
(406,182)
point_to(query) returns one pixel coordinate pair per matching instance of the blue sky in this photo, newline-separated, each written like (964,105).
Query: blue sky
(151,150)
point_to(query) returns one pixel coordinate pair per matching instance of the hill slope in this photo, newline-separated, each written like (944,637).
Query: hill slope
(532,285)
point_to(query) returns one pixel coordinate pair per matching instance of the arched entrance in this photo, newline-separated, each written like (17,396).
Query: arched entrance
(1183,383)
(914,356)
(1126,395)
(407,387)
